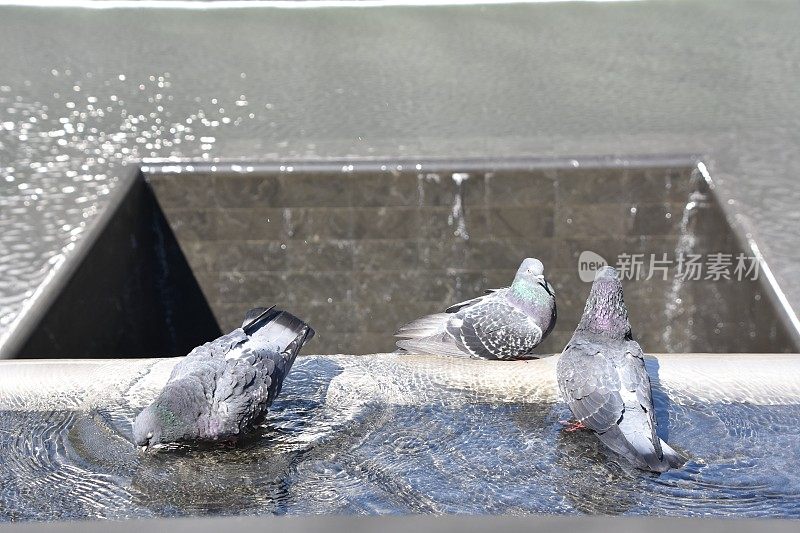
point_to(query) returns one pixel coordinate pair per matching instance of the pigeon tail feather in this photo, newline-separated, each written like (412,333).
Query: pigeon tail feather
(636,448)
(427,326)
(673,457)
(281,328)
(255,317)
(430,346)
(428,336)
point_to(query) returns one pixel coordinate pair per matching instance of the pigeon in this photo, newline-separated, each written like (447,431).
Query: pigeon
(503,324)
(601,375)
(222,389)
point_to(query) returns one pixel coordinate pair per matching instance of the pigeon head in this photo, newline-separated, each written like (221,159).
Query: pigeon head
(605,312)
(530,279)
(167,419)
(531,267)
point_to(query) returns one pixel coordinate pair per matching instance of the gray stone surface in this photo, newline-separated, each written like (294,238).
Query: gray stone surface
(367,265)
(83,90)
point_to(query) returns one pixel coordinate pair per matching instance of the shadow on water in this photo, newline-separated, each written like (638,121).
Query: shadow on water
(592,479)
(661,401)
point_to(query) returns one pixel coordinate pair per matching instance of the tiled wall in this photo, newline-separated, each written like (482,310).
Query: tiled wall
(358,254)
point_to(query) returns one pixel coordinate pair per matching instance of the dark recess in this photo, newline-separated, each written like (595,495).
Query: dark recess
(134,294)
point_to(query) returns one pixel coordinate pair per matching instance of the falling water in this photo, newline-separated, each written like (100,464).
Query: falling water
(687,240)
(288,224)
(431,177)
(421,178)
(457,215)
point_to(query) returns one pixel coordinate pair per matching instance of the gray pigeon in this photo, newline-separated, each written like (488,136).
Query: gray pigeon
(223,388)
(602,376)
(504,323)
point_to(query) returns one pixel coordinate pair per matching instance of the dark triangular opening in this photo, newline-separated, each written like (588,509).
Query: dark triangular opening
(133,295)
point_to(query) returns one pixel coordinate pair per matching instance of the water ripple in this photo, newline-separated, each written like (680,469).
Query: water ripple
(416,442)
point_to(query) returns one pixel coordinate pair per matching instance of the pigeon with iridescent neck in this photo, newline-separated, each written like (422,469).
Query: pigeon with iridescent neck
(222,389)
(503,324)
(602,376)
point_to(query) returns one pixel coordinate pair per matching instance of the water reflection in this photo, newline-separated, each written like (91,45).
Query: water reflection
(590,478)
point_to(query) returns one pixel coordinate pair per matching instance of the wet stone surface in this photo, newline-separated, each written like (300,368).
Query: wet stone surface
(358,254)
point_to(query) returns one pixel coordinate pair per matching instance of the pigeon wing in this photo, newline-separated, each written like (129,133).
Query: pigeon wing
(240,391)
(221,346)
(590,385)
(614,401)
(255,368)
(635,379)
(494,329)
(204,360)
(473,301)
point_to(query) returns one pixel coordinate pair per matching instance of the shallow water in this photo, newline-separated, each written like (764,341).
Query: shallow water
(386,434)
(340,440)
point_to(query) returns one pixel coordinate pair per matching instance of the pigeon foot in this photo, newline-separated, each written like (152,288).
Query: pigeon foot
(572,425)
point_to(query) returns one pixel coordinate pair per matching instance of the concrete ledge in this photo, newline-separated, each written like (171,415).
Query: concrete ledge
(760,379)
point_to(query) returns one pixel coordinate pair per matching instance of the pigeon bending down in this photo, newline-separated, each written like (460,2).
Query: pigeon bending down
(223,388)
(602,376)
(504,323)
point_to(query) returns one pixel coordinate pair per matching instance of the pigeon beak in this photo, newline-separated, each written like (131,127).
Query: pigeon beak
(543,282)
(146,445)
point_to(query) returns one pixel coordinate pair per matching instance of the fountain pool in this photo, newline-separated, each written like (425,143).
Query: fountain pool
(392,434)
